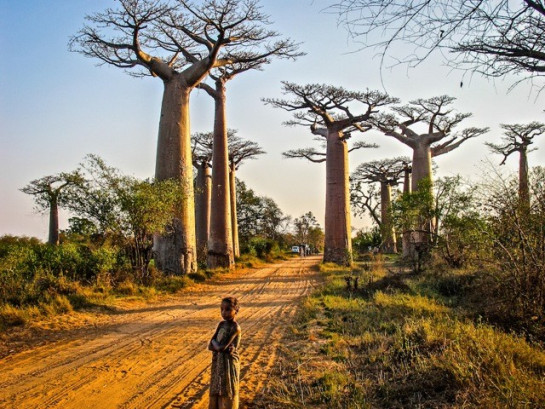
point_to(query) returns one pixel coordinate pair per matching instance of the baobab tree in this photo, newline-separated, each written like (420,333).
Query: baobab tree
(369,201)
(439,120)
(386,172)
(328,111)
(493,38)
(251,56)
(438,138)
(202,160)
(518,137)
(179,43)
(239,151)
(49,193)
(316,156)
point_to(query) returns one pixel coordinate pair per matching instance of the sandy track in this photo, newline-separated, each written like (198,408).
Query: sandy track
(156,357)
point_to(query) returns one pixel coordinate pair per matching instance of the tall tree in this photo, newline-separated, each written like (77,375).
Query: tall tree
(49,193)
(272,220)
(179,43)
(406,235)
(328,111)
(386,172)
(258,215)
(493,38)
(439,121)
(518,137)
(239,151)
(202,160)
(258,49)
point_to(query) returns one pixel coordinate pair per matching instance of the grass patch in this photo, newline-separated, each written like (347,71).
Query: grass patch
(401,341)
(249,261)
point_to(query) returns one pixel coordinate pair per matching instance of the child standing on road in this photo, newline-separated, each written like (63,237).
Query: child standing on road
(224,383)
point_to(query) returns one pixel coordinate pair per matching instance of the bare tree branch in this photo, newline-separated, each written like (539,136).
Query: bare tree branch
(493,38)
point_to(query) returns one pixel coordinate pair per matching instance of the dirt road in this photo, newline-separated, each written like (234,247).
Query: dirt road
(156,356)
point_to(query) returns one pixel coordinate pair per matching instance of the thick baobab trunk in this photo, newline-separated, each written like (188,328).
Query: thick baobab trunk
(421,165)
(407,181)
(234,219)
(406,238)
(338,241)
(389,244)
(220,246)
(53,223)
(524,190)
(422,171)
(202,207)
(175,251)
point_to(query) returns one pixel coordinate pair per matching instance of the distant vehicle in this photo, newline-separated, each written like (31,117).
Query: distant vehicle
(295,249)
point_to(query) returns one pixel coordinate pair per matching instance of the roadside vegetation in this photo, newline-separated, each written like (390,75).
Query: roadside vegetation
(38,280)
(105,255)
(456,322)
(404,340)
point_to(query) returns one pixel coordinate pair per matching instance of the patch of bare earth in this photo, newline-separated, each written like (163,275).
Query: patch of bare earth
(155,356)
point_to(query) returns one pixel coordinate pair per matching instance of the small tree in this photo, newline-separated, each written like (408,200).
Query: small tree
(518,138)
(126,210)
(517,254)
(365,200)
(303,226)
(50,193)
(328,111)
(249,211)
(459,224)
(272,222)
(408,211)
(259,218)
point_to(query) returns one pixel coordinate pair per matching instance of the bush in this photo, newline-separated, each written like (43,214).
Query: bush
(259,247)
(11,316)
(172,284)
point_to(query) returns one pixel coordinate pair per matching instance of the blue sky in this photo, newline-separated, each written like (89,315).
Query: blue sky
(57,106)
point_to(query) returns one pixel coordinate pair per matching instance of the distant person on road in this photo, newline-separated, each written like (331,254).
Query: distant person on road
(225,377)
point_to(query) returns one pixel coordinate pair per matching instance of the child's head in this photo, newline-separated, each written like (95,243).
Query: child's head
(229,308)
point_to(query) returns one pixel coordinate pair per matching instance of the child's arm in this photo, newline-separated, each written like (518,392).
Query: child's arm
(212,344)
(223,347)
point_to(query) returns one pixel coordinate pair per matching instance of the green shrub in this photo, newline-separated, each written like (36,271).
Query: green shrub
(332,385)
(259,247)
